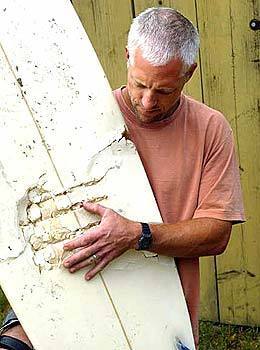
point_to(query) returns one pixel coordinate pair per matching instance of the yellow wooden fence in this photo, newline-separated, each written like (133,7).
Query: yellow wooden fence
(228,80)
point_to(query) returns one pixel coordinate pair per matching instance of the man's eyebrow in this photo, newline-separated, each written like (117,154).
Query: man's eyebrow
(165,89)
(139,81)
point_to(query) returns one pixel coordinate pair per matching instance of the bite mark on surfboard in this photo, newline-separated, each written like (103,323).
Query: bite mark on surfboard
(47,219)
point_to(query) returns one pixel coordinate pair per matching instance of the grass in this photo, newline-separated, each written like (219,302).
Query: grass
(213,336)
(3,305)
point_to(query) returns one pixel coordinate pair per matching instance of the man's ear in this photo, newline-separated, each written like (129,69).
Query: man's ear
(190,72)
(126,53)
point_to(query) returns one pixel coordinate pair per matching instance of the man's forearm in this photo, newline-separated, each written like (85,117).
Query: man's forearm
(191,238)
(117,234)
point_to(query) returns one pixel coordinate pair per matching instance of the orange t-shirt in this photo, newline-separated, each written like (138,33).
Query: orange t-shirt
(190,162)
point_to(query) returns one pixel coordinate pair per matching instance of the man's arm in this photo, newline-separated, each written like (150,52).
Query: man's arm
(191,238)
(116,234)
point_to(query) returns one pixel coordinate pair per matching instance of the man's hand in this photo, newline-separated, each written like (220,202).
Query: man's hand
(102,244)
(116,234)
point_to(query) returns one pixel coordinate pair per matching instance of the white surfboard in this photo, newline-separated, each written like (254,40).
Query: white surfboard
(62,141)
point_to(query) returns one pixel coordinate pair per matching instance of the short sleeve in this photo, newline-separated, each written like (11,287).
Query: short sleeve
(220,193)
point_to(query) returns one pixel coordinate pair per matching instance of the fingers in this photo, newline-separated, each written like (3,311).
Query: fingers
(86,259)
(107,241)
(89,261)
(83,254)
(98,267)
(79,242)
(86,239)
(79,256)
(94,208)
(101,260)
(91,235)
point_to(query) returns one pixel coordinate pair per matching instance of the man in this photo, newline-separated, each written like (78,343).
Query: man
(187,151)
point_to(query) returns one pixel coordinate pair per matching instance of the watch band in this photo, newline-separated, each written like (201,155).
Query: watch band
(146,239)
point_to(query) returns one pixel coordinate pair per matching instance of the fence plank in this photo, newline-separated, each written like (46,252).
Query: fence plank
(218,93)
(107,24)
(246,82)
(228,77)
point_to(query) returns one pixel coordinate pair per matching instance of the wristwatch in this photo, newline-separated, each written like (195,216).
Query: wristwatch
(146,239)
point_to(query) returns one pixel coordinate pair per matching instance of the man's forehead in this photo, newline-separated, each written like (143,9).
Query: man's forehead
(160,77)
(159,85)
(173,69)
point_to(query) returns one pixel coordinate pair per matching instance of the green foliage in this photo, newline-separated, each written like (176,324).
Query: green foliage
(222,337)
(3,305)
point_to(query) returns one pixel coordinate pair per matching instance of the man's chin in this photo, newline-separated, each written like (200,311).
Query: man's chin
(146,119)
(150,118)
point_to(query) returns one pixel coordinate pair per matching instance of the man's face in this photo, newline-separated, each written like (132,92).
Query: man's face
(154,91)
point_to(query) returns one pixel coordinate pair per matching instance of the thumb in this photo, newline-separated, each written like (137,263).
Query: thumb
(94,208)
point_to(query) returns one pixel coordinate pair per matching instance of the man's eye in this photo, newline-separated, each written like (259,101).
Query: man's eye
(162,92)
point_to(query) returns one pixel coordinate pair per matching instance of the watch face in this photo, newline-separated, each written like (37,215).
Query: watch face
(145,242)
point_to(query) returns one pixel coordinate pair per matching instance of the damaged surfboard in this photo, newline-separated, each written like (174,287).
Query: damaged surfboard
(62,140)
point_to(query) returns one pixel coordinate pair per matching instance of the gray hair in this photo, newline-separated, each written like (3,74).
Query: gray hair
(163,34)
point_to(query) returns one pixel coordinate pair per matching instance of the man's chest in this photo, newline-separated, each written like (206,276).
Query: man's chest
(174,168)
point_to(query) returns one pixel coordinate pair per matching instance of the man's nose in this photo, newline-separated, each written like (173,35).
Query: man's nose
(149,100)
